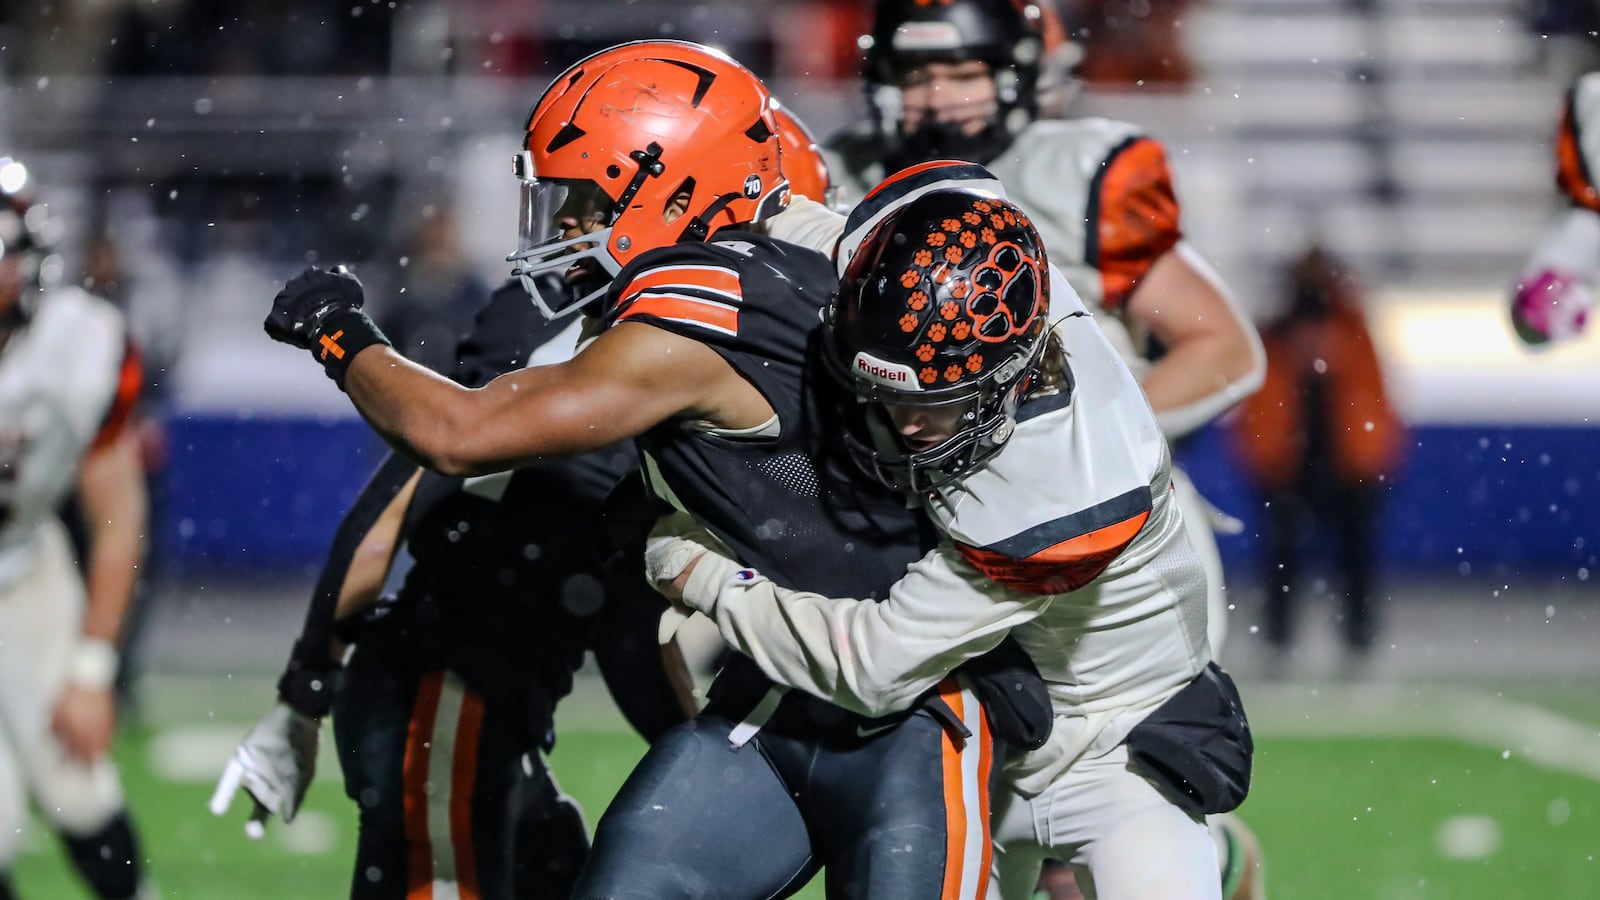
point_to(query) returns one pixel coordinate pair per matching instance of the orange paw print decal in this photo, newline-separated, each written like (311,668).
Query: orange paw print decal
(968,239)
(971,218)
(960,288)
(952,373)
(974,362)
(908,323)
(983,206)
(936,239)
(951,225)
(936,332)
(1010,294)
(909,278)
(917,300)
(960,330)
(987,235)
(925,352)
(923,257)
(929,375)
(949,309)
(952,254)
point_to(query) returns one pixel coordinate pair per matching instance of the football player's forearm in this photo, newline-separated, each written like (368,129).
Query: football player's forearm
(870,657)
(113,569)
(1200,380)
(413,409)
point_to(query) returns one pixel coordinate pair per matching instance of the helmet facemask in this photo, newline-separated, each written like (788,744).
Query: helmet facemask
(908,37)
(985,422)
(562,274)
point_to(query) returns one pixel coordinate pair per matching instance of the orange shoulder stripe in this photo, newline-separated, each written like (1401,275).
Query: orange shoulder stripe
(715,279)
(1061,567)
(682,308)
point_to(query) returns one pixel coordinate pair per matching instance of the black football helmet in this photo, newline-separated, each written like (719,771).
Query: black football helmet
(944,306)
(906,34)
(26,234)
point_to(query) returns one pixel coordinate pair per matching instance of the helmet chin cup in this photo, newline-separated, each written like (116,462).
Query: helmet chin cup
(546,273)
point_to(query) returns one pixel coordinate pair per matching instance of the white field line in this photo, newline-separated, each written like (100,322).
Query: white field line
(1532,733)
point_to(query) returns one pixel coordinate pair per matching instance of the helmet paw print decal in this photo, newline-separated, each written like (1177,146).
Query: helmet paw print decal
(1009,276)
(968,283)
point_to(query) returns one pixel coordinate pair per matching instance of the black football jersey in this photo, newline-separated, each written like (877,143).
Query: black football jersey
(789,506)
(508,582)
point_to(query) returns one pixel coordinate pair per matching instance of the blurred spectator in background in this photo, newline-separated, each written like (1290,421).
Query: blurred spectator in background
(1320,441)
(437,295)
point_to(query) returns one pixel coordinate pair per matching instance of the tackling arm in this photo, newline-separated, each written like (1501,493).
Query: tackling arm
(631,378)
(870,657)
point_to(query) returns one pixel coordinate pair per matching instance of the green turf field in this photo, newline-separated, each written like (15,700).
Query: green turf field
(1359,793)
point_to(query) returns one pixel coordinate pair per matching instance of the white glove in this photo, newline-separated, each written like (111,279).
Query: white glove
(665,558)
(1550,305)
(274,764)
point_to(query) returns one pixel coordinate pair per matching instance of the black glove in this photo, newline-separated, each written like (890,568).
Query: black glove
(321,311)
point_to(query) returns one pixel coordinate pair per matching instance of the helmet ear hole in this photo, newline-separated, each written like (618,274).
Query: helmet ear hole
(680,201)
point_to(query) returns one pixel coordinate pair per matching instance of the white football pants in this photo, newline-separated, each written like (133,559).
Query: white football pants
(1122,837)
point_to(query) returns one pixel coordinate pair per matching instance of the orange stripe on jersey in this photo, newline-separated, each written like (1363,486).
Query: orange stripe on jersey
(691,278)
(679,308)
(130,380)
(463,780)
(1136,217)
(1061,567)
(414,783)
(1572,173)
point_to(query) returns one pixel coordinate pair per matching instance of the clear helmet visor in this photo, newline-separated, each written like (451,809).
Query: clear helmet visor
(563,228)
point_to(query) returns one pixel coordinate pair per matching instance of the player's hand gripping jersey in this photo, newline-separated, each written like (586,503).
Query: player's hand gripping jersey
(1553,298)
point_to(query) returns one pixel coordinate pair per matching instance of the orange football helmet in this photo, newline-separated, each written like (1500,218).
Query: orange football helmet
(803,162)
(614,139)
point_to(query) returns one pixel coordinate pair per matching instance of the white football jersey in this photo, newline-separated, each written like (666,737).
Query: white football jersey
(63,377)
(1079,504)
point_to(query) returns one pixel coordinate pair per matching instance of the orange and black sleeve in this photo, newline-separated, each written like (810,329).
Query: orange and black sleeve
(1572,172)
(1133,216)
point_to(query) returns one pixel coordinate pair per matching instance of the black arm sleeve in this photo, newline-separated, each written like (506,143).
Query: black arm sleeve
(306,683)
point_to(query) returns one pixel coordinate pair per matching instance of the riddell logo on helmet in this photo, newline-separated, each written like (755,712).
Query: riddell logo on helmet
(885,373)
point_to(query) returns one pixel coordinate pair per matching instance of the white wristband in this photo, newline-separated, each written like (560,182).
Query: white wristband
(93,664)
